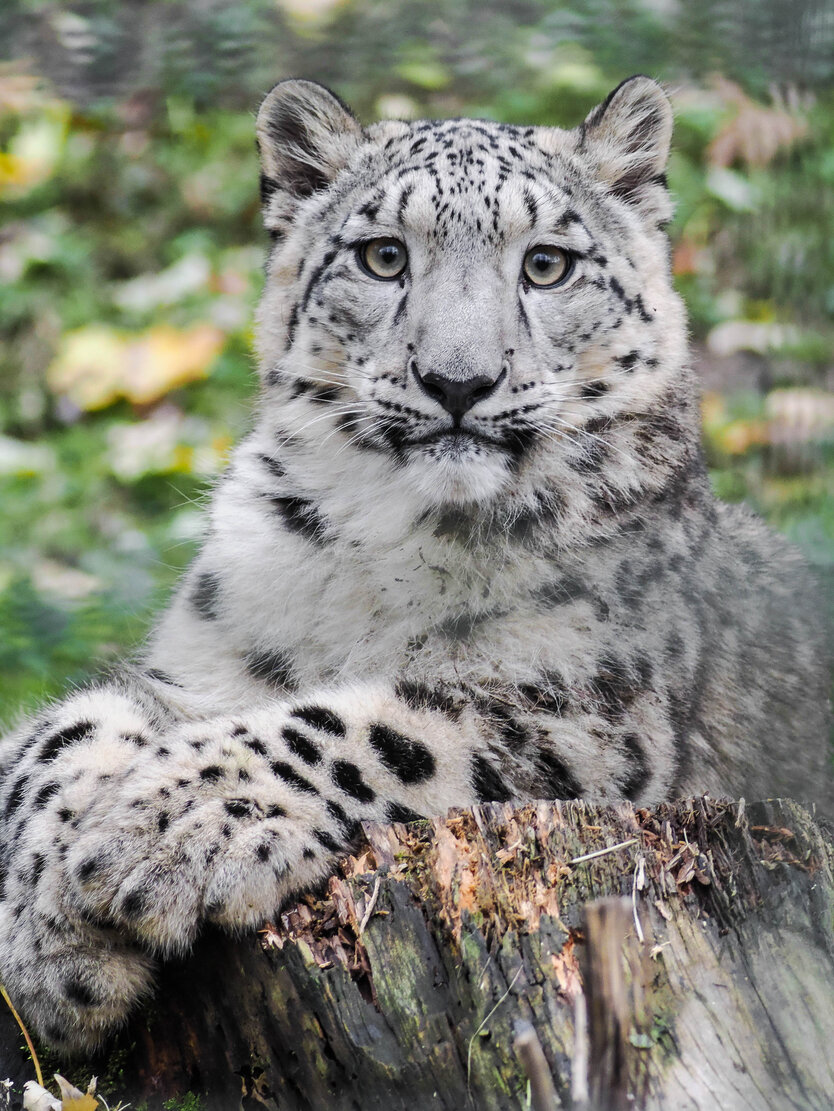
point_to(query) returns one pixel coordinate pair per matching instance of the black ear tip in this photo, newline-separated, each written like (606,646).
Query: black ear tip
(636,77)
(299,91)
(634,89)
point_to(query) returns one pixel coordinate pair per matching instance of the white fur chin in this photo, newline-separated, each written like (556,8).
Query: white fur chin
(458,479)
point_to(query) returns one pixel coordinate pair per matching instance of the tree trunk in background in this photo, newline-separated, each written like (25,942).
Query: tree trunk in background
(559,955)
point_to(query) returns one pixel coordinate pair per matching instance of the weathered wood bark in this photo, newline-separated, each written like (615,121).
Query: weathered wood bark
(408,983)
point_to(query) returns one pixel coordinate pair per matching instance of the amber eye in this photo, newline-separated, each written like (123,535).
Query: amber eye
(546,266)
(383,258)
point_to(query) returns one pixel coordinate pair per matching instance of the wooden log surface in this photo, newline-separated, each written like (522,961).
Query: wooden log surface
(675,957)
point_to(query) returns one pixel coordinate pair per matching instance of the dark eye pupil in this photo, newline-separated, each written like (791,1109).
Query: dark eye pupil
(546,266)
(383,258)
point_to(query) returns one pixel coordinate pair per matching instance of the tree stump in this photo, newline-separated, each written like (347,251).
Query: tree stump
(558,955)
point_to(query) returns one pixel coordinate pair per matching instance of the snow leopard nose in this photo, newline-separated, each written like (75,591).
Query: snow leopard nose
(457,396)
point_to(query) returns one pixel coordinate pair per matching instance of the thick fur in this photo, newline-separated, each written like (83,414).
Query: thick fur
(390,616)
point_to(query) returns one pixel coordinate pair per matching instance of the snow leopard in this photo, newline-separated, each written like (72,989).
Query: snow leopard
(468,552)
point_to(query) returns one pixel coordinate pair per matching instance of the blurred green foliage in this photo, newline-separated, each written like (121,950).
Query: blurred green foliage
(130,254)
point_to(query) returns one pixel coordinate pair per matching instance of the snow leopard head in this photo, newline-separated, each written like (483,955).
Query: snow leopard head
(473,301)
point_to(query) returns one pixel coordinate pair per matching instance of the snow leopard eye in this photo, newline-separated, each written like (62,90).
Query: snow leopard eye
(546,266)
(383,258)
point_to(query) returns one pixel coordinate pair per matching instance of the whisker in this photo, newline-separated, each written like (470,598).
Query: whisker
(354,439)
(578,431)
(296,432)
(337,369)
(348,424)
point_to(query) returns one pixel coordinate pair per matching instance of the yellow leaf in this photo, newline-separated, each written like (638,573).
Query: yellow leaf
(713,409)
(89,366)
(739,435)
(96,365)
(74,1100)
(183,458)
(166,357)
(83,1103)
(14,170)
(33,152)
(310,11)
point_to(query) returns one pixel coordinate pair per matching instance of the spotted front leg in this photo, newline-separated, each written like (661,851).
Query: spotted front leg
(234,815)
(126,844)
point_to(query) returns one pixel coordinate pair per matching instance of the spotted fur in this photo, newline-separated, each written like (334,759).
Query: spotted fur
(400,608)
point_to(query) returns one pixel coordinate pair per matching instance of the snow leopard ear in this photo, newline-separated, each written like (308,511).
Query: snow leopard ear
(305,136)
(627,138)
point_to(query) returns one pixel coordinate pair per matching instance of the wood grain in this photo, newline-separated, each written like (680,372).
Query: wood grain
(711,986)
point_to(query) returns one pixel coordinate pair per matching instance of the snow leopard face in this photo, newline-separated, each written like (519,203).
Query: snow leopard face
(473,301)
